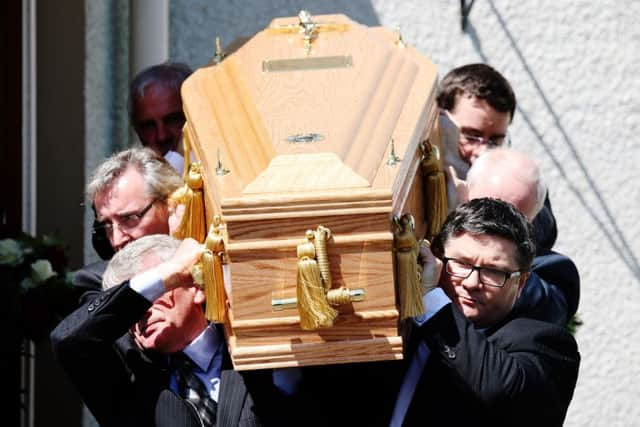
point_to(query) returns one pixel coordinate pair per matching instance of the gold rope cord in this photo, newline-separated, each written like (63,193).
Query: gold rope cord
(313,307)
(320,238)
(408,271)
(212,261)
(339,296)
(314,294)
(435,189)
(186,151)
(191,196)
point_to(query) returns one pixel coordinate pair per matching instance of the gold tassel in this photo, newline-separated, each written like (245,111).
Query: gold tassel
(186,151)
(407,268)
(216,301)
(435,188)
(191,196)
(315,311)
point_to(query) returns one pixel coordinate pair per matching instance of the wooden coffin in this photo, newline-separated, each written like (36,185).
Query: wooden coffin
(296,132)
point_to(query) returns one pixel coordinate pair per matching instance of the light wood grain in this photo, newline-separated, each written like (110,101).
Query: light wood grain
(291,355)
(277,190)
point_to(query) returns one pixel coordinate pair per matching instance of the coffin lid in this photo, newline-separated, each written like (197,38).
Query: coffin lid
(354,91)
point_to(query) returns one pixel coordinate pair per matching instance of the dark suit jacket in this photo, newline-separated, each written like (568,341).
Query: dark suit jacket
(552,292)
(545,230)
(123,386)
(88,280)
(522,372)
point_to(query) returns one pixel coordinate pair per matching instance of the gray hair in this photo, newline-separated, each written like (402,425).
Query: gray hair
(159,177)
(137,257)
(508,160)
(170,74)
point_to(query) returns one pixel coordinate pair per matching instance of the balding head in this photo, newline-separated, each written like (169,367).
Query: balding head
(509,175)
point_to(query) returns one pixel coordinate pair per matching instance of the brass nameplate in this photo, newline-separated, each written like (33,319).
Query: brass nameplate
(302,64)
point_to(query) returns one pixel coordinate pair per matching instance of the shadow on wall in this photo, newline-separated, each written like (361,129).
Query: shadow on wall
(606,221)
(229,20)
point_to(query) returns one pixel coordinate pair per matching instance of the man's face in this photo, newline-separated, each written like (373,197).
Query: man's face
(476,118)
(123,203)
(158,118)
(172,322)
(481,304)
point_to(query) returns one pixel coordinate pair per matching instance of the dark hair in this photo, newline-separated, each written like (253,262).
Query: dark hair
(481,81)
(491,217)
(171,74)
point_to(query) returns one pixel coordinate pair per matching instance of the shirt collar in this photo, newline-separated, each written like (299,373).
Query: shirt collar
(203,349)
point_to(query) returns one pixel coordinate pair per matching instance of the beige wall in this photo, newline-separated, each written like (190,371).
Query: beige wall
(574,67)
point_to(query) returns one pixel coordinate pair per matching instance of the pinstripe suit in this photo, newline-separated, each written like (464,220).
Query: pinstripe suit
(124,386)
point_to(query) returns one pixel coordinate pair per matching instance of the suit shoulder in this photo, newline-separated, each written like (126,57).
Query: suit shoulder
(526,331)
(90,276)
(559,270)
(553,260)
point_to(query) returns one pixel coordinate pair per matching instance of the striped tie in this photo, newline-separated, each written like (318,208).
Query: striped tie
(193,390)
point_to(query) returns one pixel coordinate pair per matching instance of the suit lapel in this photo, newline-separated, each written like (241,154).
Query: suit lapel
(232,396)
(232,393)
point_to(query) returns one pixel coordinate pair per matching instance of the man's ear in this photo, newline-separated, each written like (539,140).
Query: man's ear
(199,296)
(521,282)
(100,240)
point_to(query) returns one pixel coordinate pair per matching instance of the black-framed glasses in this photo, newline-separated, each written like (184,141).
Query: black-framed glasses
(468,138)
(124,222)
(496,141)
(487,276)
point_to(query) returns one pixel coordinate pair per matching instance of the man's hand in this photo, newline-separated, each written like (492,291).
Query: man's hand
(431,268)
(460,185)
(176,271)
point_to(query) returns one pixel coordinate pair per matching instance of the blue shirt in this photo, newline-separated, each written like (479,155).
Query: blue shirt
(206,353)
(434,301)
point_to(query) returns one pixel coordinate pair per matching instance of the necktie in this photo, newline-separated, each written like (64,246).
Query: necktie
(193,390)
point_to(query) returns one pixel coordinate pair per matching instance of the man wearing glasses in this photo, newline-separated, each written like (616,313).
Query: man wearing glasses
(471,360)
(477,105)
(129,193)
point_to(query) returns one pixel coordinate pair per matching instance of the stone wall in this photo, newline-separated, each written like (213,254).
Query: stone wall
(106,90)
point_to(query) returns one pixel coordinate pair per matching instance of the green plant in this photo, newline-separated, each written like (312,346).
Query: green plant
(38,291)
(574,323)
